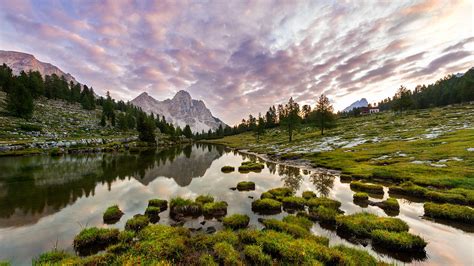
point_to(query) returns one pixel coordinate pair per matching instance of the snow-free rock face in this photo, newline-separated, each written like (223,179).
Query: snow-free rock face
(25,62)
(360,103)
(181,110)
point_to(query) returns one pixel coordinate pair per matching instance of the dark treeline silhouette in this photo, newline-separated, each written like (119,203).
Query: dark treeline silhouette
(288,116)
(23,89)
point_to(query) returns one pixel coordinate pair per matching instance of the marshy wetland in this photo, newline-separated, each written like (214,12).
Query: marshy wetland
(45,202)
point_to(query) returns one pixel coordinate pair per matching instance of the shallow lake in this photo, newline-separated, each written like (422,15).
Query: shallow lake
(45,201)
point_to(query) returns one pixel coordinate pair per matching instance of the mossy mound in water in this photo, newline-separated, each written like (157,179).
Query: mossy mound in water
(236,221)
(137,223)
(308,195)
(162,204)
(266,206)
(293,203)
(277,193)
(215,209)
(112,214)
(291,244)
(345,178)
(251,166)
(448,211)
(245,186)
(180,208)
(323,214)
(400,241)
(203,199)
(408,188)
(361,196)
(371,188)
(93,239)
(362,224)
(153,213)
(323,201)
(228,169)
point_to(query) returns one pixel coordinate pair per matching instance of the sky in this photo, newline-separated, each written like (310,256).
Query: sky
(241,56)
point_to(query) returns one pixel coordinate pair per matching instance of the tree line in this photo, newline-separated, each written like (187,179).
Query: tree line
(26,87)
(289,117)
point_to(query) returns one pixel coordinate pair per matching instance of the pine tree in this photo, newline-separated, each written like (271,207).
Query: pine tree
(187,132)
(19,101)
(146,128)
(260,128)
(323,113)
(289,117)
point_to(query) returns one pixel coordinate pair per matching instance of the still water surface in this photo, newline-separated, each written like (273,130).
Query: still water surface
(45,201)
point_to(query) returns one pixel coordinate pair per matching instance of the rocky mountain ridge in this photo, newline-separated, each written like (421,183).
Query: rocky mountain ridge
(181,110)
(360,103)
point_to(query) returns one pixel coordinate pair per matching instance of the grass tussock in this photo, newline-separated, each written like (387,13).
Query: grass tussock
(448,211)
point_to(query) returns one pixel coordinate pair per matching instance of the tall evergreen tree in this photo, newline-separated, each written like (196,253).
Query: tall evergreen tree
(289,117)
(323,114)
(19,101)
(187,132)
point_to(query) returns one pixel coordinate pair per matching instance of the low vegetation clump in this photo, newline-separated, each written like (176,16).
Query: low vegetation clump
(236,221)
(390,204)
(441,197)
(228,169)
(362,224)
(153,213)
(371,188)
(409,189)
(400,241)
(308,195)
(203,199)
(362,257)
(180,208)
(53,257)
(246,167)
(245,186)
(162,204)
(112,214)
(266,206)
(292,229)
(277,193)
(448,211)
(345,178)
(255,255)
(298,220)
(323,201)
(137,223)
(215,209)
(293,203)
(324,214)
(361,196)
(226,254)
(93,239)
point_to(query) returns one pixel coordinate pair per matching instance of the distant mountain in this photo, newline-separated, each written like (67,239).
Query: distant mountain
(360,103)
(182,110)
(25,62)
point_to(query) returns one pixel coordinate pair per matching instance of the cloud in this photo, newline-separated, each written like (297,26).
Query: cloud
(242,56)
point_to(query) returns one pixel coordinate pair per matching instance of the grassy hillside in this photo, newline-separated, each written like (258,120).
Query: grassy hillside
(433,147)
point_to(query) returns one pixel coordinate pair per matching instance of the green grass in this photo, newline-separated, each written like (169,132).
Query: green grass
(308,195)
(203,199)
(53,257)
(162,204)
(298,220)
(236,221)
(215,209)
(93,239)
(245,186)
(391,204)
(277,193)
(112,214)
(371,188)
(362,224)
(448,211)
(361,196)
(323,201)
(226,254)
(251,166)
(323,214)
(255,256)
(266,206)
(293,203)
(137,223)
(400,241)
(292,229)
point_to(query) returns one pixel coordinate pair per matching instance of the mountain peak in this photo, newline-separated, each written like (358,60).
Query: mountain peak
(360,103)
(182,94)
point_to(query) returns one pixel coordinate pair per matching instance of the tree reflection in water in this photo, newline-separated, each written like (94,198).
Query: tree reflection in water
(323,181)
(291,176)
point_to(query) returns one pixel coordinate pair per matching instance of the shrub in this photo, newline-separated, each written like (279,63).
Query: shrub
(246,186)
(326,202)
(449,211)
(162,204)
(215,209)
(93,239)
(323,214)
(361,196)
(255,256)
(400,241)
(112,214)
(236,221)
(294,230)
(362,224)
(298,220)
(228,169)
(137,223)
(203,199)
(30,127)
(226,254)
(266,206)
(371,188)
(408,188)
(308,195)
(293,203)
